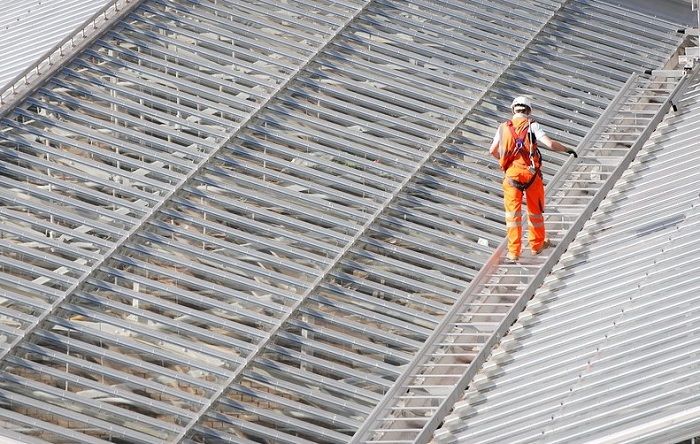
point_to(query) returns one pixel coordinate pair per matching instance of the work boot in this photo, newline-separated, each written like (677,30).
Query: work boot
(546,244)
(512,258)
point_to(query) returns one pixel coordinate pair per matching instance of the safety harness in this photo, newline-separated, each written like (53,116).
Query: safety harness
(533,154)
(522,186)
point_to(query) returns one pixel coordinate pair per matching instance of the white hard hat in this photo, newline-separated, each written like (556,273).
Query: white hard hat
(521,100)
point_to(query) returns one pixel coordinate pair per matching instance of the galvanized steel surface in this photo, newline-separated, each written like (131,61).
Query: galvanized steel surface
(240,220)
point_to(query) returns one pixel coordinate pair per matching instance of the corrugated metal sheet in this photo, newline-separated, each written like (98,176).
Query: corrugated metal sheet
(29,28)
(607,350)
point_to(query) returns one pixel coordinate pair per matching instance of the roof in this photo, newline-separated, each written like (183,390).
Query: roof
(31,27)
(243,221)
(606,349)
(677,11)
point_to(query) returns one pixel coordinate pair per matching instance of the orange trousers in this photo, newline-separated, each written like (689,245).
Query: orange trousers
(512,202)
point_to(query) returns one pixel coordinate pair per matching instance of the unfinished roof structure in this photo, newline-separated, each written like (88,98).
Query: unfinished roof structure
(264,221)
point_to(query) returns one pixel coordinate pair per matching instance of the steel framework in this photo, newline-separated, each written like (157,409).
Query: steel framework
(240,221)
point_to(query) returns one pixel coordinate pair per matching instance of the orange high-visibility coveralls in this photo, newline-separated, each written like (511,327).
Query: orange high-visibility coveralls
(516,163)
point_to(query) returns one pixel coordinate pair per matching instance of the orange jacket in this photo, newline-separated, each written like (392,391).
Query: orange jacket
(517,145)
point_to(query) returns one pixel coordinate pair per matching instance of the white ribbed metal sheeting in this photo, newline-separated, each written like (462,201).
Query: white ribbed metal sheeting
(161,281)
(607,349)
(29,28)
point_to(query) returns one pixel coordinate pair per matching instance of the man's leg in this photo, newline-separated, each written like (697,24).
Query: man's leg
(512,203)
(534,198)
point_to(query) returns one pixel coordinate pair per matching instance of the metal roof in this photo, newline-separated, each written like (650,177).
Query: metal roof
(606,349)
(31,27)
(236,220)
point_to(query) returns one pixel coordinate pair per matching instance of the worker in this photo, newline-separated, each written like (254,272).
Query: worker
(515,145)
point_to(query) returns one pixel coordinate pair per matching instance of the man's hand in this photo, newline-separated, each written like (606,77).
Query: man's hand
(557,146)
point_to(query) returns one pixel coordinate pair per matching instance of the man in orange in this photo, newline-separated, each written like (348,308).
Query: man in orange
(515,145)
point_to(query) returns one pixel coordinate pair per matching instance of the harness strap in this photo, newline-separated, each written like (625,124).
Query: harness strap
(520,139)
(524,186)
